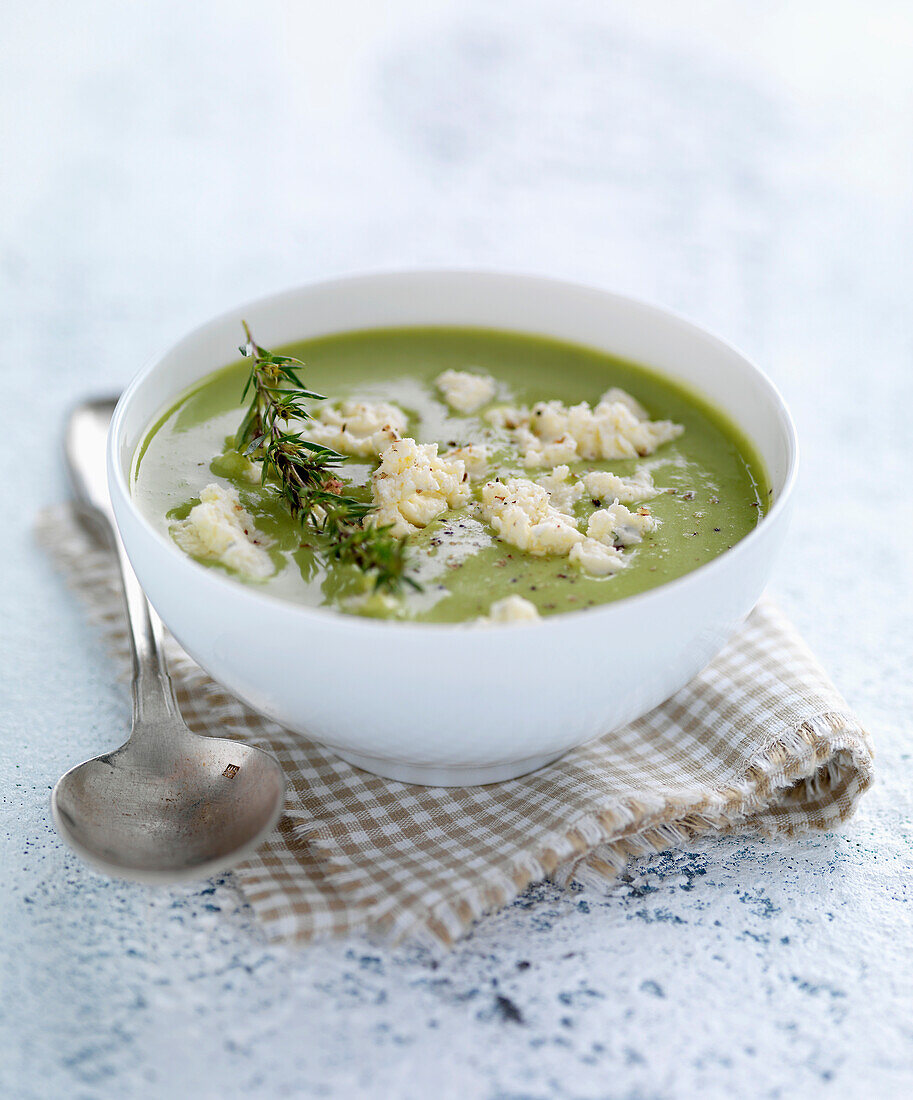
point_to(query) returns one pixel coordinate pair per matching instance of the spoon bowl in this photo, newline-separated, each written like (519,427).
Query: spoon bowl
(197,807)
(169,803)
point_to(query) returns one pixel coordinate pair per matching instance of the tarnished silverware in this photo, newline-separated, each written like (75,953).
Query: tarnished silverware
(168,804)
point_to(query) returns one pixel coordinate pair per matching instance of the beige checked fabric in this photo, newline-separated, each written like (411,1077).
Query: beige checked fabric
(759,741)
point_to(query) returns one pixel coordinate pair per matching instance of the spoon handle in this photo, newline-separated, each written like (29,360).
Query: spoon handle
(153,691)
(84,455)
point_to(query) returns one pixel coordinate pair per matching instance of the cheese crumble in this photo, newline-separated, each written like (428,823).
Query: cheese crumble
(602,486)
(413,485)
(357,427)
(615,394)
(563,489)
(465,392)
(551,432)
(512,609)
(219,529)
(521,513)
(617,525)
(597,558)
(474,456)
(608,531)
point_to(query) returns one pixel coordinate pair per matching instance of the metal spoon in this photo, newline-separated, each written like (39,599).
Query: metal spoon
(169,804)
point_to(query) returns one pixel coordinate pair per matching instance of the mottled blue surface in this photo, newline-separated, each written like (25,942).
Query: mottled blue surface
(750,168)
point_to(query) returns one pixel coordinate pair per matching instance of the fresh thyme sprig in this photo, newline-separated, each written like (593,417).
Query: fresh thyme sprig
(304,474)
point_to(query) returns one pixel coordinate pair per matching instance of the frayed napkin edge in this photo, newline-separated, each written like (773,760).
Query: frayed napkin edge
(623,830)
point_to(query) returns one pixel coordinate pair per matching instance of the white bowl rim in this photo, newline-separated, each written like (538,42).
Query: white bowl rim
(338,620)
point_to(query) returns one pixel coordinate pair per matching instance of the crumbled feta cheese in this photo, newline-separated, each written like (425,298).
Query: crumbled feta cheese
(512,609)
(607,531)
(504,416)
(616,524)
(474,456)
(614,395)
(357,427)
(551,432)
(597,558)
(601,486)
(541,452)
(465,392)
(563,490)
(219,529)
(413,484)
(521,513)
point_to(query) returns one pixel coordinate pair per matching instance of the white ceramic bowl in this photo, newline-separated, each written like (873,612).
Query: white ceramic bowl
(457,705)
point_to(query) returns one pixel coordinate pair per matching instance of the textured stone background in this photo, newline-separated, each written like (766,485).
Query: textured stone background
(747,164)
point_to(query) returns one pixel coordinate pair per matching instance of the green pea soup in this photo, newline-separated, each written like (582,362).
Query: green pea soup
(714,489)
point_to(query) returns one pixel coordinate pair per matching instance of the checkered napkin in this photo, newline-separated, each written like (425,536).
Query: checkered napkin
(759,741)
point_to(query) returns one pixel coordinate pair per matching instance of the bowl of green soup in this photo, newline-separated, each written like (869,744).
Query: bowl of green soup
(452,524)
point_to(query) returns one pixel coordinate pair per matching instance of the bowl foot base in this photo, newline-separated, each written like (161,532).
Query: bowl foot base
(431,775)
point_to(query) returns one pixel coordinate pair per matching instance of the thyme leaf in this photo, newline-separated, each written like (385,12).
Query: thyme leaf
(304,474)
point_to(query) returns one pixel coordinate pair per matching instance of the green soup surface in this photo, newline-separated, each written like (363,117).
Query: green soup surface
(713,487)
